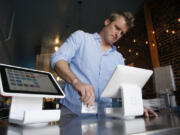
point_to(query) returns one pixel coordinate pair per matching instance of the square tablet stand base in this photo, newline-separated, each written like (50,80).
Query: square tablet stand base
(28,110)
(132,103)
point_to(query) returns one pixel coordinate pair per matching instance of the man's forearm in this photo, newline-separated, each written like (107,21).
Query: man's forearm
(62,69)
(85,91)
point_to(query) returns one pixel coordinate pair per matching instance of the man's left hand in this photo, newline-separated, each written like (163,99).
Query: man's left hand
(147,112)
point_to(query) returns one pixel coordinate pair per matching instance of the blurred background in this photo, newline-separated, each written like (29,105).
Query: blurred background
(31,30)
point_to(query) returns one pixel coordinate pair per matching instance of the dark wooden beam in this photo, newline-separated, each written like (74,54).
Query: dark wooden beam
(151,36)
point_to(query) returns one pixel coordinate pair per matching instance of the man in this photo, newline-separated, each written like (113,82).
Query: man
(86,62)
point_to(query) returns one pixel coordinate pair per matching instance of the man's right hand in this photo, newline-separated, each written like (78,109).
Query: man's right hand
(86,92)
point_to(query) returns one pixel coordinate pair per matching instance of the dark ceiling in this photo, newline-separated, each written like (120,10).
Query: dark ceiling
(36,20)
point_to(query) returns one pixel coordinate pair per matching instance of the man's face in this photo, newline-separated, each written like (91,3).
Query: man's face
(113,31)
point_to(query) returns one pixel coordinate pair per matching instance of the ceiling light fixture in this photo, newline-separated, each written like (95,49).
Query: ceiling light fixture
(55,48)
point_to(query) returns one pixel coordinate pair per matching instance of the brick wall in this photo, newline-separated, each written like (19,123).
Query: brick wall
(165,16)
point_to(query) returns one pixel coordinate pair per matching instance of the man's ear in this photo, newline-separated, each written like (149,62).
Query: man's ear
(106,22)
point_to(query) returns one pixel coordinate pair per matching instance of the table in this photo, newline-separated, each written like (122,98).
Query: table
(166,124)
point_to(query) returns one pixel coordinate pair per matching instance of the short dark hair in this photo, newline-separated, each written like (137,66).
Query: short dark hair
(129,18)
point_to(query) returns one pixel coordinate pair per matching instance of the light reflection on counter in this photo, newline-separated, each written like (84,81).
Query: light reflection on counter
(165,123)
(94,126)
(33,130)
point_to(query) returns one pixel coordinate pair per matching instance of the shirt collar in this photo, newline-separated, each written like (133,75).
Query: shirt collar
(97,37)
(113,48)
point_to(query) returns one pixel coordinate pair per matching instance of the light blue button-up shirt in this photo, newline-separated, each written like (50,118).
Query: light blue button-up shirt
(83,53)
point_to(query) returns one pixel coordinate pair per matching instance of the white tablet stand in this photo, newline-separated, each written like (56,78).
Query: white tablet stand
(126,83)
(27,108)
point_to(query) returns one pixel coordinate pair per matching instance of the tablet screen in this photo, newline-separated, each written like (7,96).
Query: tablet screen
(22,80)
(28,81)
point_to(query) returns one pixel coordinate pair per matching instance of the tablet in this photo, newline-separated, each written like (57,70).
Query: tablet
(125,75)
(18,81)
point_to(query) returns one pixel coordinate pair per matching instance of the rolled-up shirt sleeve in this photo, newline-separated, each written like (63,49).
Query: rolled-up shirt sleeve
(68,49)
